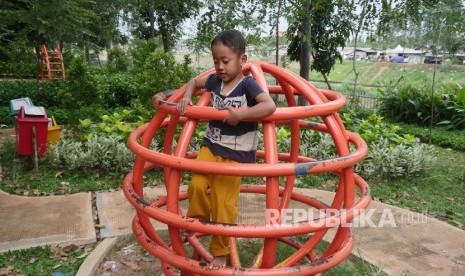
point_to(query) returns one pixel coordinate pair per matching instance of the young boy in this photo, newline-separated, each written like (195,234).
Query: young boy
(227,141)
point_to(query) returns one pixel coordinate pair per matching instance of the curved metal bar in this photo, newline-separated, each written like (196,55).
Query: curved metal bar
(343,209)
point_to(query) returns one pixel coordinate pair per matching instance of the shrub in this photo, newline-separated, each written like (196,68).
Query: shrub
(155,70)
(439,136)
(392,153)
(82,87)
(118,90)
(118,61)
(99,152)
(385,161)
(5,118)
(18,59)
(118,124)
(41,93)
(446,66)
(413,105)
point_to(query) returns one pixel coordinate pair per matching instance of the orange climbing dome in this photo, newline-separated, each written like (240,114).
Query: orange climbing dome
(273,165)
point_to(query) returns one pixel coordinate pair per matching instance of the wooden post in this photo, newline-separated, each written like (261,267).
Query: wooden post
(34,146)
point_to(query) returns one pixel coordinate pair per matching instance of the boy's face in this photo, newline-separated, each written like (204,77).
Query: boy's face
(228,64)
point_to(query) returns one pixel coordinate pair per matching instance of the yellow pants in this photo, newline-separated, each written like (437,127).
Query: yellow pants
(221,204)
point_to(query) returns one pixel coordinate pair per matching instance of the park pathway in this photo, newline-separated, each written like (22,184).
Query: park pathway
(397,241)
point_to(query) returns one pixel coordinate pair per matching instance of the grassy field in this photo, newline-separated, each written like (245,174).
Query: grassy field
(383,73)
(372,74)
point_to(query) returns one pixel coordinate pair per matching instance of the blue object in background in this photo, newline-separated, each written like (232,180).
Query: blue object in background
(398,59)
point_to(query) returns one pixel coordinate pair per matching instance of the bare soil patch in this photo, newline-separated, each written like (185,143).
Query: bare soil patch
(128,258)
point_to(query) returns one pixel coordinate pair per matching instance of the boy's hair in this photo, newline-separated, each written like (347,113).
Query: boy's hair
(232,39)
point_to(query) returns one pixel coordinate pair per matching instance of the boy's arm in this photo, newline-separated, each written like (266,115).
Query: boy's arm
(264,107)
(190,88)
(163,95)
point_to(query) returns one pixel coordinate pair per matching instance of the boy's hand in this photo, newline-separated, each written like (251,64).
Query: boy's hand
(159,96)
(234,116)
(182,105)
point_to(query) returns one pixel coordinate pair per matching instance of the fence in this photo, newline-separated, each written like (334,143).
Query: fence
(364,100)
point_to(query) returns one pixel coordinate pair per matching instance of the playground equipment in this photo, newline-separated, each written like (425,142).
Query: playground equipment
(51,64)
(324,105)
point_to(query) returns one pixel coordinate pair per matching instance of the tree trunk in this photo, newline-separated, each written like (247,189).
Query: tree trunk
(354,68)
(278,14)
(327,81)
(277,31)
(165,38)
(151,13)
(87,51)
(305,46)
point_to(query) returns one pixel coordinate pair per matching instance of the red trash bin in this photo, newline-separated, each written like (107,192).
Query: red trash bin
(26,119)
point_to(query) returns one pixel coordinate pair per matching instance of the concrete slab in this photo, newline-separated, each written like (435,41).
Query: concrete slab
(116,213)
(398,241)
(37,221)
(414,245)
(402,242)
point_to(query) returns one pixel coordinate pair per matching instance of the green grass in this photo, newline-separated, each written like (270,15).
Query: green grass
(380,73)
(43,260)
(439,194)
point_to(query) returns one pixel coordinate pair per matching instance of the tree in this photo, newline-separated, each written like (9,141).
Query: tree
(362,21)
(105,26)
(48,21)
(318,29)
(444,25)
(244,15)
(151,19)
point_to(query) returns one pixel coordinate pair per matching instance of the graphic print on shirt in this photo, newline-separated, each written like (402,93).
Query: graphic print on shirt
(213,133)
(237,142)
(235,102)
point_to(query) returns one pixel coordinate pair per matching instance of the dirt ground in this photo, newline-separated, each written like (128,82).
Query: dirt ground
(128,258)
(7,134)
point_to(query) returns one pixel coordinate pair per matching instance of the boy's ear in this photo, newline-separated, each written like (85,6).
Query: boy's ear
(243,59)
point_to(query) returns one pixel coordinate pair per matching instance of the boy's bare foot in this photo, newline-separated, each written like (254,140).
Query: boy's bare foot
(218,262)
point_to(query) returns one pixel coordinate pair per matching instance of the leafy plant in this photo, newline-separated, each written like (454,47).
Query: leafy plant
(118,89)
(440,136)
(98,152)
(392,153)
(374,127)
(155,70)
(118,61)
(385,161)
(455,102)
(118,124)
(413,105)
